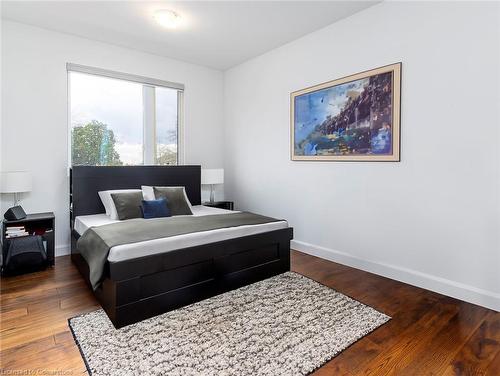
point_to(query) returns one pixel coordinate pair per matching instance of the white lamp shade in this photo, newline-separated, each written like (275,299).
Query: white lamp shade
(15,182)
(212,176)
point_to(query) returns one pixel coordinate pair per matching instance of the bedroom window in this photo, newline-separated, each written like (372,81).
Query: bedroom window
(120,119)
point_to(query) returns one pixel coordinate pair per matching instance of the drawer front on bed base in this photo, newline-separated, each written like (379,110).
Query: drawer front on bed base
(169,280)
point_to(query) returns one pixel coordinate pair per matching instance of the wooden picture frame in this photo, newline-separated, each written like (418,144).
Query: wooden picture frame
(354,118)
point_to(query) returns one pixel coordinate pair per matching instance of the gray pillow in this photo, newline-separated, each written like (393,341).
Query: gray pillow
(128,204)
(176,200)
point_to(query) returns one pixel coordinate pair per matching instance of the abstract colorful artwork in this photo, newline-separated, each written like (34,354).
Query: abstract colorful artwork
(355,118)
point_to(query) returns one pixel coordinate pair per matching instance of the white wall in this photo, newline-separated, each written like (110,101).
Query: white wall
(431,220)
(35,126)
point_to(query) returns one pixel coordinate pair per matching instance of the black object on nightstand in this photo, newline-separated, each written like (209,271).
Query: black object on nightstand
(228,205)
(35,228)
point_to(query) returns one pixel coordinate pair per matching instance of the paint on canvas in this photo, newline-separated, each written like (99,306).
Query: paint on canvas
(350,119)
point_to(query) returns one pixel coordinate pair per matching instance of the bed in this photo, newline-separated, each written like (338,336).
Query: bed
(147,278)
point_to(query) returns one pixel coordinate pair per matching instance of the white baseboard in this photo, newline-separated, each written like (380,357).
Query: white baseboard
(63,250)
(440,285)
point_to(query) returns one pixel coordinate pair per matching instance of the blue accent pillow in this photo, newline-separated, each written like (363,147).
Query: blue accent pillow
(155,208)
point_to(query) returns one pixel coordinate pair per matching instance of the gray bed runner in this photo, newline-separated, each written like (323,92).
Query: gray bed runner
(95,243)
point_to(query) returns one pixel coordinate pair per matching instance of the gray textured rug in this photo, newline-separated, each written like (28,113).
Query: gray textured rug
(285,325)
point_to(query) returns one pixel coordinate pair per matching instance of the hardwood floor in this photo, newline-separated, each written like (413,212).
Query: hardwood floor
(429,334)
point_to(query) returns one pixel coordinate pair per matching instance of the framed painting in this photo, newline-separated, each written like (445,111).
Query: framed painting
(355,118)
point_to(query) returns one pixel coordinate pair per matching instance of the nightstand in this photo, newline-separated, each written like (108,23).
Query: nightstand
(42,224)
(228,205)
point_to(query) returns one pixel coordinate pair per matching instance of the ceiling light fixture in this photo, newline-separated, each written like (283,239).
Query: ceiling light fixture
(167,18)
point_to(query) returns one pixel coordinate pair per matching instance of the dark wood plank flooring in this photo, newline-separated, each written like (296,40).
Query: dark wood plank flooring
(429,334)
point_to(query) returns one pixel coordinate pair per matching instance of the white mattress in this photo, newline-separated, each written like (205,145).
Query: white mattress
(150,247)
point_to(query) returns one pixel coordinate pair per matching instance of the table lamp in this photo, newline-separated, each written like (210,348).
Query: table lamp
(15,182)
(212,176)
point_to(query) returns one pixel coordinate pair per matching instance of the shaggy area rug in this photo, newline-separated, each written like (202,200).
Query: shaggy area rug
(285,325)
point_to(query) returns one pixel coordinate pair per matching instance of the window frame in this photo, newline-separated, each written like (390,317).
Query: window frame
(149,109)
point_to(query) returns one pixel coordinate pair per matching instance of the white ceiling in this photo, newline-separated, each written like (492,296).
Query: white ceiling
(217,34)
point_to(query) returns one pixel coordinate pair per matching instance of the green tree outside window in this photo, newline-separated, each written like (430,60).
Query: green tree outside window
(94,145)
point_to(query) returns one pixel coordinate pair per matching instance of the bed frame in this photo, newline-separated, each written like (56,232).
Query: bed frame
(136,289)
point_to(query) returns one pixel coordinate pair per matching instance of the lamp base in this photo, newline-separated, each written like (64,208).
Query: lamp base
(15,213)
(212,194)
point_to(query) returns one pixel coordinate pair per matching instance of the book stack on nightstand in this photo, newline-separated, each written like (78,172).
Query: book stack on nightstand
(15,231)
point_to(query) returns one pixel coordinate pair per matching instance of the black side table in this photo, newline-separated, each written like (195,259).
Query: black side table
(228,205)
(42,224)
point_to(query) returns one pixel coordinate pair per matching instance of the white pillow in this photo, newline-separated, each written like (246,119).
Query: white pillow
(149,194)
(109,204)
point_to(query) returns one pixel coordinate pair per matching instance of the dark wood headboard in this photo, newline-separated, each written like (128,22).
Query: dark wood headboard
(86,181)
